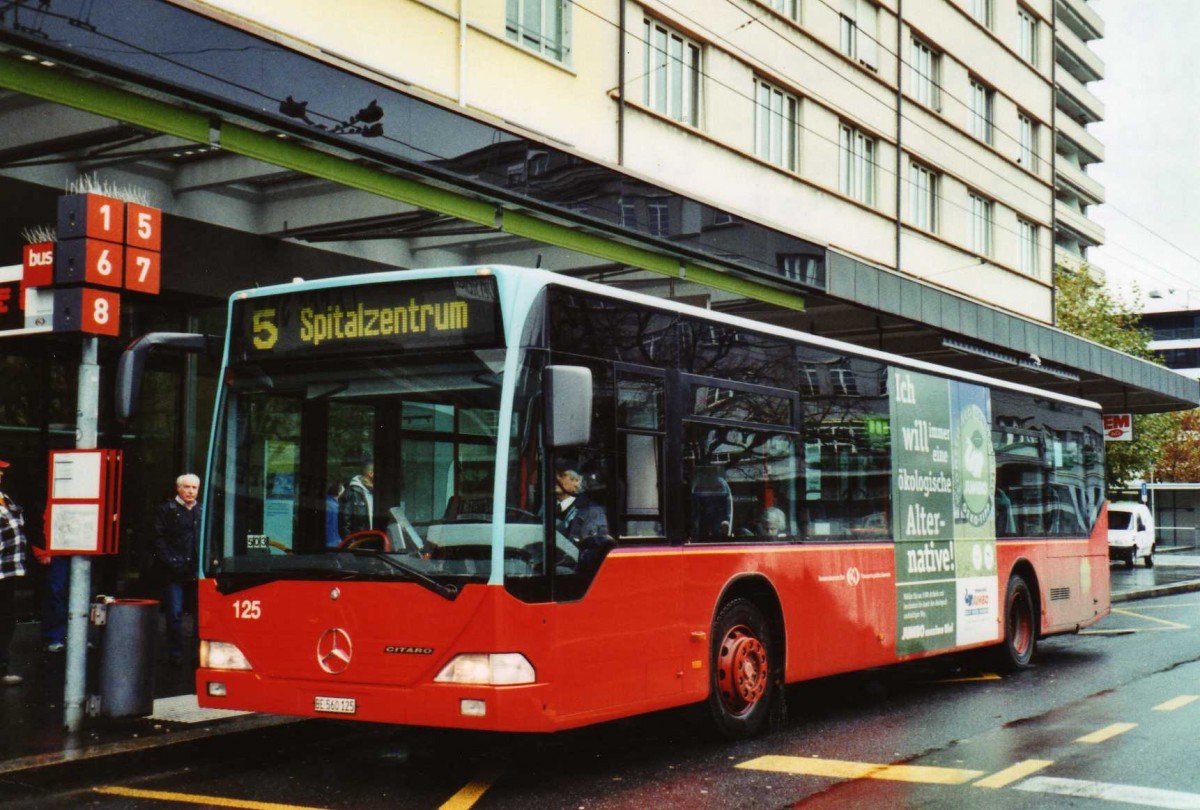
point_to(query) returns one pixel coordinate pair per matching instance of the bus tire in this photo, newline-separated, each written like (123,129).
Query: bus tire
(743,683)
(1020,625)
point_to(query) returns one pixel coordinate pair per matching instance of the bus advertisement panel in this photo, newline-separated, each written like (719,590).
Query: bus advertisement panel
(944,472)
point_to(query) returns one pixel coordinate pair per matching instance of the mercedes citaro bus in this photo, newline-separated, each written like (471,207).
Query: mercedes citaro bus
(587,503)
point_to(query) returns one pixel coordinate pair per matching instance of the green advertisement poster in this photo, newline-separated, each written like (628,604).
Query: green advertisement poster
(943,474)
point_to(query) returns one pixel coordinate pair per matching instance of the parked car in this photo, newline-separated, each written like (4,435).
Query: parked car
(1130,533)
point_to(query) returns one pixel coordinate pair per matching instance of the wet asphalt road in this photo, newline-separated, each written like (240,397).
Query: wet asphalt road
(1103,720)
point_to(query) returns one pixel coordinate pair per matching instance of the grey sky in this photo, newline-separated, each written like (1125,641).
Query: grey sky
(1151,134)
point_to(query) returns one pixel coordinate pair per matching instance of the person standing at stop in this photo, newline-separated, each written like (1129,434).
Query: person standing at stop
(175,526)
(14,556)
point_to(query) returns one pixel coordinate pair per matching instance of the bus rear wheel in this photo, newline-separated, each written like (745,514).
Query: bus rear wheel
(743,683)
(1020,625)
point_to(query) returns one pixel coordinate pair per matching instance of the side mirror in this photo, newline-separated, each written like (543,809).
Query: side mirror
(568,393)
(133,364)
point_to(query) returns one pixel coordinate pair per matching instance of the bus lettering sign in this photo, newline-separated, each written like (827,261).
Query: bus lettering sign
(405,315)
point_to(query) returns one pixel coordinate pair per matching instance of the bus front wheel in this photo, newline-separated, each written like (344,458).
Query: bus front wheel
(743,685)
(1020,625)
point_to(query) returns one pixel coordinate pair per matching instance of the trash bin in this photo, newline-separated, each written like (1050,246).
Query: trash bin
(127,631)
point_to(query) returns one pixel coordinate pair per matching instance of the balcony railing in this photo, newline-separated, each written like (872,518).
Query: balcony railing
(1083,98)
(1081,17)
(1087,188)
(1074,55)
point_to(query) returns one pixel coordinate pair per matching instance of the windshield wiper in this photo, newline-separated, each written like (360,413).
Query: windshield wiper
(233,581)
(420,577)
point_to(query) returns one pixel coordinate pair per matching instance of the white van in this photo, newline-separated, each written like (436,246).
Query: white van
(1130,532)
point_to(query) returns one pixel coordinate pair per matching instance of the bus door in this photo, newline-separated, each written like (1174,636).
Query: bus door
(620,637)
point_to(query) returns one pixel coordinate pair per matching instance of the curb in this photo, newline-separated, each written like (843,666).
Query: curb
(1153,593)
(94,754)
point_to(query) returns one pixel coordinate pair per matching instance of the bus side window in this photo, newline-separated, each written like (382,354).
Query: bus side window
(641,429)
(641,515)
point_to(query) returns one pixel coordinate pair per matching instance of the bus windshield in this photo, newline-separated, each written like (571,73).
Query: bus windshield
(356,422)
(326,462)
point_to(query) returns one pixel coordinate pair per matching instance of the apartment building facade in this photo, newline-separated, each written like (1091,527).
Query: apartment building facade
(887,173)
(1076,149)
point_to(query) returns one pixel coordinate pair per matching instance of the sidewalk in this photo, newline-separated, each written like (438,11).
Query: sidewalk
(34,741)
(32,733)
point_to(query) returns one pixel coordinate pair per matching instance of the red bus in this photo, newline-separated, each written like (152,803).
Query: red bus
(586,503)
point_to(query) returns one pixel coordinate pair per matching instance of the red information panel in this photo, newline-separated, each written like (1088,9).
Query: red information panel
(143,227)
(83,510)
(143,270)
(100,312)
(91,215)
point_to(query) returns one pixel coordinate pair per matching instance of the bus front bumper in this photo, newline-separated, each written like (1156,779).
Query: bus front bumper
(523,708)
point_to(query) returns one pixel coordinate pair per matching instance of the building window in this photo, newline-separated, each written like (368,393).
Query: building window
(671,73)
(925,68)
(775,119)
(857,165)
(923,197)
(859,32)
(1028,43)
(802,268)
(980,212)
(1028,142)
(981,10)
(982,98)
(541,25)
(1029,248)
(788,8)
(629,215)
(659,213)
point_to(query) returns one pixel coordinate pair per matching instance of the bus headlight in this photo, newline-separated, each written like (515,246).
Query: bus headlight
(222,655)
(495,669)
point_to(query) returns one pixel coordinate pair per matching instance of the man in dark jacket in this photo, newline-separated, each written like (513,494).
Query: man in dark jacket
(357,504)
(175,526)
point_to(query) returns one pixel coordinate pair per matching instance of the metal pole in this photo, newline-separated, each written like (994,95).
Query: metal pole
(86,418)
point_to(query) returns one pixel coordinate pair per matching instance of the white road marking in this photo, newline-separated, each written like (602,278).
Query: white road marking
(1130,794)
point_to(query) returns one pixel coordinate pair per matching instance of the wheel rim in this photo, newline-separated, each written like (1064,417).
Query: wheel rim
(1021,622)
(742,670)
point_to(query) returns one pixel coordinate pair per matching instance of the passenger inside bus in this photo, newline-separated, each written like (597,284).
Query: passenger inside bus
(771,522)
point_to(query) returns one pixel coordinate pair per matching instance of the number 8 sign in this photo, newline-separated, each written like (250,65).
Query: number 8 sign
(84,309)
(101,313)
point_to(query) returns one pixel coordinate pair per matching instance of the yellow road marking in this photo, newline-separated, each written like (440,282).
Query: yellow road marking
(987,676)
(1175,625)
(1176,703)
(1012,773)
(195,798)
(1106,733)
(472,792)
(840,769)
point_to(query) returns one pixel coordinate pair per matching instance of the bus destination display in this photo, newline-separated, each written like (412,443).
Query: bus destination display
(406,315)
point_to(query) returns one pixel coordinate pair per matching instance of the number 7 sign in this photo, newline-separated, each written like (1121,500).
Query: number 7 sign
(143,270)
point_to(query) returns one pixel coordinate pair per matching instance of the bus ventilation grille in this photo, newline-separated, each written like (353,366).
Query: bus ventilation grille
(1059,593)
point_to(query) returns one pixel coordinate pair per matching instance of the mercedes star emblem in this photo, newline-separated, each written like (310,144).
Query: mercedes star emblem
(334,650)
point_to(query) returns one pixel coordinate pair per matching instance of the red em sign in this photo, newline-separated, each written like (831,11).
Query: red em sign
(1118,427)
